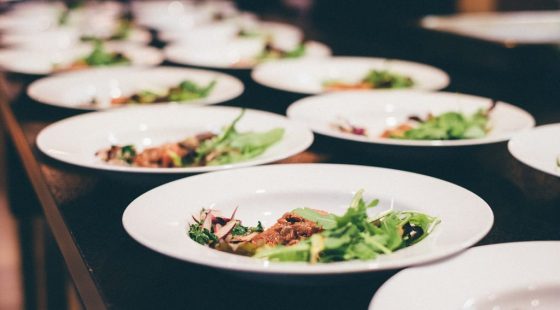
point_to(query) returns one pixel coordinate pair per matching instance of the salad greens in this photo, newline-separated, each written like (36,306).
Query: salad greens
(270,52)
(387,79)
(354,235)
(232,146)
(204,149)
(185,91)
(448,126)
(101,57)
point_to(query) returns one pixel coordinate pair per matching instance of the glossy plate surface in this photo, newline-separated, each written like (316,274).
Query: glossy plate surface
(106,83)
(36,61)
(377,111)
(75,140)
(538,148)
(308,75)
(508,276)
(159,218)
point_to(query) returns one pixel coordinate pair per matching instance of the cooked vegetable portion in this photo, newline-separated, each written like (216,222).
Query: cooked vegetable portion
(373,80)
(313,236)
(185,91)
(204,149)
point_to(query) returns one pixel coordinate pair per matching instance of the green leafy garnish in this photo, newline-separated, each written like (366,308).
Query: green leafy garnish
(387,79)
(449,126)
(100,57)
(185,91)
(240,230)
(233,146)
(271,52)
(353,235)
(202,235)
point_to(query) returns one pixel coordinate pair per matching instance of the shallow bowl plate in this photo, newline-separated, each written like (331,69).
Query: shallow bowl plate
(75,140)
(106,83)
(377,111)
(159,219)
(538,148)
(307,76)
(521,275)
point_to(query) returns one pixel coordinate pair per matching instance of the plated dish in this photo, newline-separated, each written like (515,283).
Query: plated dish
(276,206)
(411,118)
(242,53)
(526,27)
(315,236)
(521,275)
(313,76)
(27,61)
(538,148)
(203,149)
(105,88)
(173,139)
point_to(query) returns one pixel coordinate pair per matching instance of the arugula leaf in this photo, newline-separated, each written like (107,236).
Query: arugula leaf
(353,235)
(449,126)
(327,221)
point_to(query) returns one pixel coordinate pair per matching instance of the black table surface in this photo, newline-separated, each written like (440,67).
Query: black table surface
(84,207)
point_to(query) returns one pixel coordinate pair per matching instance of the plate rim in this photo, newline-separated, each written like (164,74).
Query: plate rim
(362,267)
(257,79)
(411,143)
(386,285)
(307,140)
(247,68)
(514,154)
(33,86)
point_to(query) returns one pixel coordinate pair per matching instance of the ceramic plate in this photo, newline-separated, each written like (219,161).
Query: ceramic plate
(528,27)
(106,83)
(522,275)
(27,61)
(307,76)
(377,111)
(231,54)
(76,140)
(538,148)
(159,218)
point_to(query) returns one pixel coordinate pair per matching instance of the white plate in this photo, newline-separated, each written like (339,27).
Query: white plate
(225,55)
(105,83)
(530,27)
(159,218)
(64,38)
(27,61)
(307,76)
(380,110)
(538,148)
(521,275)
(75,140)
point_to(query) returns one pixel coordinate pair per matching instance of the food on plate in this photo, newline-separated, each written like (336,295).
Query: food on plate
(375,79)
(446,126)
(271,52)
(98,57)
(122,32)
(203,149)
(314,236)
(186,90)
